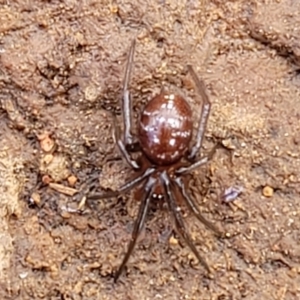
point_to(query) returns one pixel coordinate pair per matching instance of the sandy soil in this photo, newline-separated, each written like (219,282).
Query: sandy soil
(61,72)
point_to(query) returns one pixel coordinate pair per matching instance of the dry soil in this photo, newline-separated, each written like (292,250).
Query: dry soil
(61,72)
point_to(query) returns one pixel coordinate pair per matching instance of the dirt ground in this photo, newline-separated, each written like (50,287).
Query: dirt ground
(61,72)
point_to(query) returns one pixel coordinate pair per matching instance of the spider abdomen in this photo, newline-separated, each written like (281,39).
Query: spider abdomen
(165,128)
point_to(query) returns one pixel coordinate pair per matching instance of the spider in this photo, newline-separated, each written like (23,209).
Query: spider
(164,136)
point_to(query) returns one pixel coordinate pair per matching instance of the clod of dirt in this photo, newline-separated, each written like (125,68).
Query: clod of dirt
(56,168)
(16,118)
(275,26)
(46,142)
(10,186)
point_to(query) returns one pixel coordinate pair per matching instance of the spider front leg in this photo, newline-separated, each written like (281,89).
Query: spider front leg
(200,88)
(126,143)
(126,101)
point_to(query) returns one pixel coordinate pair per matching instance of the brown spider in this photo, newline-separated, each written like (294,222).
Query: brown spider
(164,135)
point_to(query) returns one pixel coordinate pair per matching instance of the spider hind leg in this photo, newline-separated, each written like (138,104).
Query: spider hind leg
(179,224)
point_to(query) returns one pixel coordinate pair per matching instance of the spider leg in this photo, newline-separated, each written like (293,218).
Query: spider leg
(192,206)
(192,167)
(200,88)
(122,147)
(179,224)
(126,143)
(124,188)
(139,223)
(126,103)
(199,163)
(132,163)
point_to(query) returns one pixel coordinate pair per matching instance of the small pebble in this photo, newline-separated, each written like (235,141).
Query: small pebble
(72,180)
(35,198)
(47,159)
(46,179)
(47,144)
(268,191)
(173,241)
(65,214)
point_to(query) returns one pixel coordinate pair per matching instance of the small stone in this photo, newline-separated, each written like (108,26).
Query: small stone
(65,214)
(47,158)
(46,142)
(46,179)
(23,275)
(72,180)
(173,241)
(57,169)
(228,143)
(268,191)
(36,198)
(91,93)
